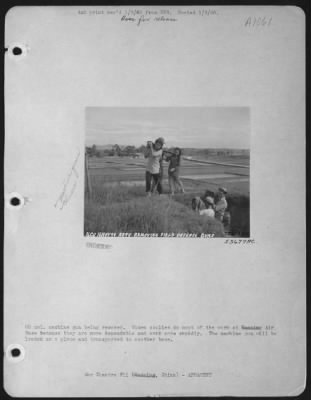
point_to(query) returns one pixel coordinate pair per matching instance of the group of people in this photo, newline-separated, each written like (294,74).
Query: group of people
(154,168)
(212,206)
(215,207)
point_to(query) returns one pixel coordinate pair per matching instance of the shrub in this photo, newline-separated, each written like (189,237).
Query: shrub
(239,206)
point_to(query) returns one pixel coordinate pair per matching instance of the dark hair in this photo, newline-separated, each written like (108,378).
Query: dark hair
(160,142)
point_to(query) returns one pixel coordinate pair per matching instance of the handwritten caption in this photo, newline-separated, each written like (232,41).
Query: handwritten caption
(240,241)
(139,17)
(69,186)
(163,235)
(258,22)
(150,235)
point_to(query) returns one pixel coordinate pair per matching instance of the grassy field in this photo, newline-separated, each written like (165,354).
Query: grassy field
(119,204)
(122,209)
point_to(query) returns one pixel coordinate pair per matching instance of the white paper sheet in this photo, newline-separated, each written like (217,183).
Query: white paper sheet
(227,315)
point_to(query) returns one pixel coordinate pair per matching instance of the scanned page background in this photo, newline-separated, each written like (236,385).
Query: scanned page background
(73,61)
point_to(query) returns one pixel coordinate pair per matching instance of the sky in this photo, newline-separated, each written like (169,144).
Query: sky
(199,127)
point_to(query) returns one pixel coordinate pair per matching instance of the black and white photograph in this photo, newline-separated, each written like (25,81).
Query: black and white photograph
(167,171)
(154,165)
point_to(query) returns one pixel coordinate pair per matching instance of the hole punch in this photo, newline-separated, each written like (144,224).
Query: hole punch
(17,51)
(15,201)
(15,353)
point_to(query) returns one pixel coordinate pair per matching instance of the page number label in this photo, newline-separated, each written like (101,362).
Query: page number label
(257,22)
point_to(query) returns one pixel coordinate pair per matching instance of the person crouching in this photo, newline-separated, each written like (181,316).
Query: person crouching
(220,204)
(209,210)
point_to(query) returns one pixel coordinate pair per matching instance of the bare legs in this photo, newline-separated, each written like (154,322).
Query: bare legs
(175,184)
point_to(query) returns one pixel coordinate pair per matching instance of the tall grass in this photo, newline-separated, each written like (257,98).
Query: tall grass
(148,215)
(238,207)
(127,209)
(105,195)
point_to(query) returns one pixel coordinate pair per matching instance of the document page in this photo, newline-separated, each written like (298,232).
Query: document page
(154,201)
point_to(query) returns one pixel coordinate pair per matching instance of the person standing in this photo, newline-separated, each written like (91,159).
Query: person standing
(173,171)
(153,154)
(220,204)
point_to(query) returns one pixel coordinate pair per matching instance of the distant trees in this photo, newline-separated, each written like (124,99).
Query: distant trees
(130,149)
(91,151)
(133,151)
(141,149)
(115,150)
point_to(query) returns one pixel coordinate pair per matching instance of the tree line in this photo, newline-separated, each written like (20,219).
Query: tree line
(115,150)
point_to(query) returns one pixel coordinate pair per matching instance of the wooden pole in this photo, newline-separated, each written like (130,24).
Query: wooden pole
(87,177)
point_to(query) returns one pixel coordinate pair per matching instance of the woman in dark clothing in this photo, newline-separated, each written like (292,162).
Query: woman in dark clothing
(173,171)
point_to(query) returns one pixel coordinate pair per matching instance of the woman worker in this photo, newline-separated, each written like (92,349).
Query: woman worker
(153,154)
(173,171)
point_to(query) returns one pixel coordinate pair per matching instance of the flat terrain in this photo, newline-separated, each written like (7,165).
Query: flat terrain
(197,174)
(118,202)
